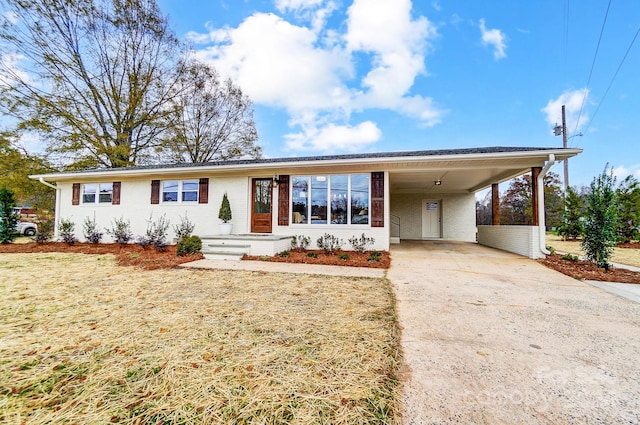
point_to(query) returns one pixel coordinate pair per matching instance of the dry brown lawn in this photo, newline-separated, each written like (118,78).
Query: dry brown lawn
(627,256)
(85,341)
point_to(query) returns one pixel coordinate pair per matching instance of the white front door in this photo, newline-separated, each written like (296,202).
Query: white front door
(431,219)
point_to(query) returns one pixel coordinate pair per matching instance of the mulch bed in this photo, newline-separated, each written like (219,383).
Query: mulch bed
(630,245)
(356,259)
(150,259)
(586,270)
(126,255)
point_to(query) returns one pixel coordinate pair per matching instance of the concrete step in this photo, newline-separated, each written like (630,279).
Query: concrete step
(221,255)
(224,249)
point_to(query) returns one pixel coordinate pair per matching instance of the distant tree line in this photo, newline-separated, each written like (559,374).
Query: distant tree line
(516,206)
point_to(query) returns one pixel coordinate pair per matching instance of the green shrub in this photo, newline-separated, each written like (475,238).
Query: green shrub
(285,254)
(551,249)
(312,254)
(601,219)
(120,231)
(8,219)
(156,234)
(329,243)
(91,232)
(570,257)
(45,232)
(572,226)
(375,256)
(188,245)
(67,231)
(225,210)
(185,228)
(362,243)
(343,256)
(300,243)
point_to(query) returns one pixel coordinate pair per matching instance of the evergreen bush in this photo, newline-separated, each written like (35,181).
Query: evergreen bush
(90,230)
(8,219)
(329,243)
(120,231)
(225,210)
(601,219)
(67,231)
(188,245)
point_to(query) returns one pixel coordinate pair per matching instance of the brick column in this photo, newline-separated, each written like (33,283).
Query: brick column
(535,172)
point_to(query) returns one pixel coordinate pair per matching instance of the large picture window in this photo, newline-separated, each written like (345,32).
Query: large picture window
(94,193)
(179,191)
(334,199)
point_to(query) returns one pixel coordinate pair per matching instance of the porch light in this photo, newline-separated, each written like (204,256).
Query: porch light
(275,181)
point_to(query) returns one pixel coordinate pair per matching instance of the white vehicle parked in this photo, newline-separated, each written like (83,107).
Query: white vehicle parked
(26,229)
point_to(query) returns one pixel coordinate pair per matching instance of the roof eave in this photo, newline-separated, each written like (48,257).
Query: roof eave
(560,153)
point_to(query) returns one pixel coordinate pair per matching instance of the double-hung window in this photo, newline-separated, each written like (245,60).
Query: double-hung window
(330,199)
(97,193)
(179,191)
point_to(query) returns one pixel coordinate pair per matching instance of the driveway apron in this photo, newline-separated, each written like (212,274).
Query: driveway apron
(494,338)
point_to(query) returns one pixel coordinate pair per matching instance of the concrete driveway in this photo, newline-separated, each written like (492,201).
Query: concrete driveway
(494,338)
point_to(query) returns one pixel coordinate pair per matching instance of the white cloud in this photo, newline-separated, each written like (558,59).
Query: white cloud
(573,102)
(333,137)
(621,172)
(11,17)
(309,69)
(496,38)
(278,64)
(314,11)
(284,5)
(398,55)
(10,70)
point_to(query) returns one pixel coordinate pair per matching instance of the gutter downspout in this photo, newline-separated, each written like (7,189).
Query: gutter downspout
(541,222)
(57,207)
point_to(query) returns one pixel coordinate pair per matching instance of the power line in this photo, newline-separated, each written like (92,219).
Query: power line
(593,63)
(613,78)
(565,33)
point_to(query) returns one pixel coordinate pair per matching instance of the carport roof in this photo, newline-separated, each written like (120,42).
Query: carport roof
(459,170)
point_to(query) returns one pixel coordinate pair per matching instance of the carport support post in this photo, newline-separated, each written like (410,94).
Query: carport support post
(535,172)
(495,205)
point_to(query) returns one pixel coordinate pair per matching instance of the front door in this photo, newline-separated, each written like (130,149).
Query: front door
(431,219)
(261,211)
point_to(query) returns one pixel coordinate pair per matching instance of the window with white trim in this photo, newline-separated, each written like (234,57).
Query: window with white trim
(179,191)
(330,199)
(97,193)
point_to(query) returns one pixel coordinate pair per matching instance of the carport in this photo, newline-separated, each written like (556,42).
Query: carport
(433,196)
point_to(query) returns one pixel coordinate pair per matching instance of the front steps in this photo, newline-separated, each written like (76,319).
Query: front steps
(233,247)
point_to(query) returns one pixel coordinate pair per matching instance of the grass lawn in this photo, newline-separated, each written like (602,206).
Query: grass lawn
(627,256)
(85,341)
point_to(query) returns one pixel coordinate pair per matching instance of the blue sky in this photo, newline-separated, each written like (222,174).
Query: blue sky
(331,76)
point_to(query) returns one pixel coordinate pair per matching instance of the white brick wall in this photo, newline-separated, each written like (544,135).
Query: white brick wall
(523,240)
(135,205)
(458,215)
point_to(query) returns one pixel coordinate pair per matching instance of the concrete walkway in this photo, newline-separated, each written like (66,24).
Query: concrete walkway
(492,337)
(266,266)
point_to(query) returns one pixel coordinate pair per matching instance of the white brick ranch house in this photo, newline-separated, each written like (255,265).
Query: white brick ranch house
(389,196)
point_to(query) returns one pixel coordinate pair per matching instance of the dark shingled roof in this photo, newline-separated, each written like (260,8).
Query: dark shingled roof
(435,152)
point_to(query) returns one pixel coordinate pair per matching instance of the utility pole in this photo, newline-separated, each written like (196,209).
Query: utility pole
(557,130)
(564,145)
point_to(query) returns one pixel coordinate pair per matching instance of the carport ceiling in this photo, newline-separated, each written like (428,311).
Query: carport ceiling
(459,175)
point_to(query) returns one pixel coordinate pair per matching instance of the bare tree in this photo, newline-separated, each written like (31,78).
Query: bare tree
(212,119)
(92,77)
